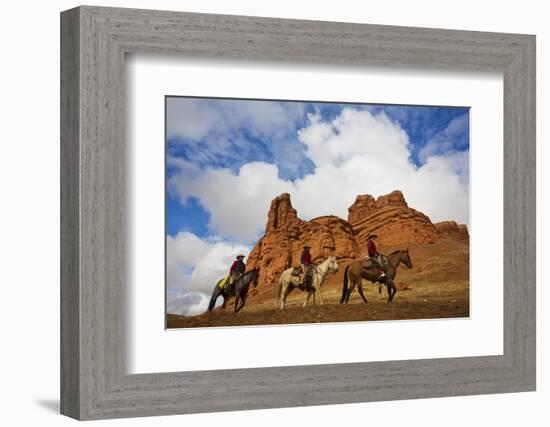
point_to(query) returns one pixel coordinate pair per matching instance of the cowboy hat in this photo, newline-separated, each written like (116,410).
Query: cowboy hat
(372,236)
(240,256)
(307,246)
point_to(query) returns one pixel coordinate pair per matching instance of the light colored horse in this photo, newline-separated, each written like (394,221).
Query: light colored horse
(288,282)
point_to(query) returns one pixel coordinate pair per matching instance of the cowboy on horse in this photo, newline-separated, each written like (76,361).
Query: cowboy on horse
(237,269)
(375,257)
(307,266)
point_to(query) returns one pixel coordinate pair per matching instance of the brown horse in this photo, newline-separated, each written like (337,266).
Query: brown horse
(355,272)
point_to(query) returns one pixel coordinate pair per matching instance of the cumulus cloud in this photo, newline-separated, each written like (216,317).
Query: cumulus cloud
(357,152)
(193,267)
(187,303)
(237,203)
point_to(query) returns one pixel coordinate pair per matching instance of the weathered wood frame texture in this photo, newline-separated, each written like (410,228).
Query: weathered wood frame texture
(94,41)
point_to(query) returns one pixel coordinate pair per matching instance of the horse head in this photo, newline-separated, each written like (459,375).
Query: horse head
(406,259)
(255,272)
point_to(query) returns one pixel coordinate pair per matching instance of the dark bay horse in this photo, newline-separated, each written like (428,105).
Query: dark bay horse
(239,290)
(355,272)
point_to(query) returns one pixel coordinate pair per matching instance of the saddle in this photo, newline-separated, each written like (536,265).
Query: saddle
(368,262)
(305,280)
(297,271)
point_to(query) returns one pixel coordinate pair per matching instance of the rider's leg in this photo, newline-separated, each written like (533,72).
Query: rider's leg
(381,272)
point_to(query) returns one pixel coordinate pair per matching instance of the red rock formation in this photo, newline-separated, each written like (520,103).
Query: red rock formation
(286,234)
(391,219)
(452,230)
(389,216)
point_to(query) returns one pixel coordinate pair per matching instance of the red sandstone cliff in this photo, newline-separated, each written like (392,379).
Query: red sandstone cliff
(392,219)
(286,234)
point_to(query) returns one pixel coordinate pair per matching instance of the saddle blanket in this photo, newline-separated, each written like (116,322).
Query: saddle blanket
(368,262)
(223,282)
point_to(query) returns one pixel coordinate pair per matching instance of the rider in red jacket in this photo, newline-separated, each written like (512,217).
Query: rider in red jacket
(237,269)
(375,255)
(307,263)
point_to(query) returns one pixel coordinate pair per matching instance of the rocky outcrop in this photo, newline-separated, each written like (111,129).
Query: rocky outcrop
(452,230)
(286,234)
(391,218)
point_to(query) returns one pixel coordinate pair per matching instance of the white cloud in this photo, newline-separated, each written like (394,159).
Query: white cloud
(193,119)
(193,267)
(356,153)
(178,114)
(187,303)
(237,203)
(354,134)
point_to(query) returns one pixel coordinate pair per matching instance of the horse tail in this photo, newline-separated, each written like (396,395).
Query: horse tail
(345,286)
(214,297)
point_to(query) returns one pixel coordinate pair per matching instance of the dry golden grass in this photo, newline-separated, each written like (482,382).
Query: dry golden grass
(422,302)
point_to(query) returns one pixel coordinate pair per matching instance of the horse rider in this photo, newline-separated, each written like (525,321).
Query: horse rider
(237,269)
(375,256)
(307,266)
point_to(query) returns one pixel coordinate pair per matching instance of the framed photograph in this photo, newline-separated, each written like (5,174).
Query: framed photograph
(262,213)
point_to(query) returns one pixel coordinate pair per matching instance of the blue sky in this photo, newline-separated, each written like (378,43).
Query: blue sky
(227,159)
(243,142)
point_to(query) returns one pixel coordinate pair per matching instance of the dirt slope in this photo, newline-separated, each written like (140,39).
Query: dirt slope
(436,287)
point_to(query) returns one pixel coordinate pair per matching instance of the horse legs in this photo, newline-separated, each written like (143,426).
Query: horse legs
(318,291)
(360,290)
(237,301)
(393,293)
(282,291)
(391,290)
(350,289)
(285,293)
(225,299)
(243,300)
(308,295)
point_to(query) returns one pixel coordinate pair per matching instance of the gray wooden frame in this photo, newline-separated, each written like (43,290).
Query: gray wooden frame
(94,382)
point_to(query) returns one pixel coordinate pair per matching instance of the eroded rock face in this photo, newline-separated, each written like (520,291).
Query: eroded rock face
(286,234)
(281,215)
(452,230)
(389,216)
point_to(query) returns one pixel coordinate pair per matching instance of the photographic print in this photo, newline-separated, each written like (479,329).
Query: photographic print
(286,212)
